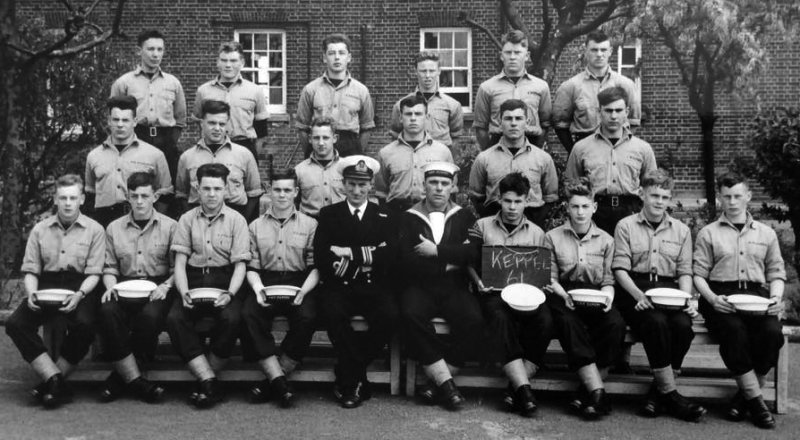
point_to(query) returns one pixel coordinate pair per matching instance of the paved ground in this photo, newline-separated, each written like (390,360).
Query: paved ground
(316,416)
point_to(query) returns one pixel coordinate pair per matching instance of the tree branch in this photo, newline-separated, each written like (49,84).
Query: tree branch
(512,15)
(67,5)
(465,18)
(601,18)
(669,41)
(20,49)
(547,27)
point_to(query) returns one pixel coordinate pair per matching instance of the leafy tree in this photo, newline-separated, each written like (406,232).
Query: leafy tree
(54,85)
(716,45)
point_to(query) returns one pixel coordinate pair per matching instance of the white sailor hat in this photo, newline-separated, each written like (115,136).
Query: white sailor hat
(440,169)
(358,167)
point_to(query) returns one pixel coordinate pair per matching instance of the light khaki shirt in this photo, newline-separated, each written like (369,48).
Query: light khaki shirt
(108,169)
(134,252)
(320,185)
(490,231)
(496,90)
(723,253)
(349,104)
(81,248)
(581,260)
(639,248)
(161,99)
(575,105)
(401,176)
(212,241)
(247,100)
(443,122)
(282,246)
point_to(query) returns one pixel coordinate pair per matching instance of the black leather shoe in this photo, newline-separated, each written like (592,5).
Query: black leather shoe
(651,406)
(525,400)
(352,397)
(208,394)
(760,414)
(260,392)
(38,391)
(280,391)
(596,406)
(450,396)
(145,390)
(680,407)
(508,399)
(54,392)
(737,409)
(427,393)
(113,387)
(578,399)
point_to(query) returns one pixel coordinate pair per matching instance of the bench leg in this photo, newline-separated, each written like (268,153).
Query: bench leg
(411,377)
(782,378)
(394,366)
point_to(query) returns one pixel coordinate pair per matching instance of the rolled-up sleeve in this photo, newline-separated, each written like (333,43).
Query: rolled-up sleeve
(182,240)
(32,260)
(305,109)
(366,119)
(97,252)
(240,247)
(550,180)
(703,258)
(111,265)
(545,109)
(563,106)
(684,264)
(253,184)
(622,248)
(482,112)
(774,268)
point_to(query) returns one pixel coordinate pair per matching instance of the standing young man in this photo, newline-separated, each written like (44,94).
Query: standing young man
(339,96)
(581,259)
(248,124)
(654,250)
(212,248)
(514,153)
(281,245)
(161,114)
(576,112)
(318,177)
(733,255)
(137,247)
(244,180)
(614,160)
(514,82)
(64,251)
(445,117)
(399,184)
(109,165)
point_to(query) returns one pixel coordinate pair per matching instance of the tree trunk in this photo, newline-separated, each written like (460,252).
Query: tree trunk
(707,123)
(10,231)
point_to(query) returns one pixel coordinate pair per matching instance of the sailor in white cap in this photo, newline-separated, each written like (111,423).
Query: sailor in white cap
(434,253)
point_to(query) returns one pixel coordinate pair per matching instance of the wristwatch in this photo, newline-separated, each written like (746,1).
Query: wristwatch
(83,294)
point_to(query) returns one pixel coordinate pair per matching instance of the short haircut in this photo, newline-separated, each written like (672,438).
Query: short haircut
(513,104)
(217,170)
(212,107)
(426,55)
(231,46)
(515,37)
(597,37)
(579,187)
(69,180)
(324,121)
(125,102)
(287,174)
(333,39)
(412,101)
(516,183)
(141,178)
(611,94)
(658,178)
(148,34)
(731,179)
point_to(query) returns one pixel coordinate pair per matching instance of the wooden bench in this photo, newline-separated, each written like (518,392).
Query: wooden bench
(703,373)
(317,367)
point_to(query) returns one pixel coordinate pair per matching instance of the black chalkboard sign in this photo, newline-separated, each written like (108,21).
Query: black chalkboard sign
(504,265)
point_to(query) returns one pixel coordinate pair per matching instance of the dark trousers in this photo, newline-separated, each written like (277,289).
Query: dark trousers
(446,298)
(746,342)
(227,320)
(108,214)
(516,335)
(337,305)
(302,321)
(537,215)
(587,336)
(166,140)
(666,334)
(23,325)
(127,328)
(248,143)
(612,209)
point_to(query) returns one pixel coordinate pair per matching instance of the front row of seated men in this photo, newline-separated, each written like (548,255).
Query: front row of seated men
(399,272)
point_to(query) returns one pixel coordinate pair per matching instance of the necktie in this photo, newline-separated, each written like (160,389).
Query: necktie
(355,215)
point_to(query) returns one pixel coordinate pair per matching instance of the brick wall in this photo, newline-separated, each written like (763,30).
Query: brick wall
(391,36)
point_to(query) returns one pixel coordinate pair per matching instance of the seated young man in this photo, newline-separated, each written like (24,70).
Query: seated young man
(281,245)
(520,341)
(137,247)
(654,250)
(734,255)
(64,251)
(592,339)
(434,255)
(212,248)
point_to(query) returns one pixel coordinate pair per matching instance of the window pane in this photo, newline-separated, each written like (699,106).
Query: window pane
(460,58)
(446,79)
(447,40)
(460,78)
(275,60)
(261,41)
(248,61)
(276,96)
(430,41)
(460,40)
(275,42)
(246,40)
(446,58)
(462,98)
(276,79)
(629,55)
(250,76)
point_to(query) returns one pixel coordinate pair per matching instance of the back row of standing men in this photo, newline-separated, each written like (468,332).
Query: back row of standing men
(354,242)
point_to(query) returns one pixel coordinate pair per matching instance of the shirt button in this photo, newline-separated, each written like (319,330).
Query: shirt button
(654,251)
(280,241)
(140,252)
(62,252)
(208,241)
(741,253)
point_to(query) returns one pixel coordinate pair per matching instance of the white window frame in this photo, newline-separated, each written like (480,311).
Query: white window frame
(637,81)
(464,89)
(272,108)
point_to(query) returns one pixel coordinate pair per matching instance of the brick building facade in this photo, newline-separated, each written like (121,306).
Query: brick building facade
(387,34)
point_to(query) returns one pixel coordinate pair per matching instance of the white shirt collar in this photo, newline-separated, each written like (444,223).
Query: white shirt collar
(361,209)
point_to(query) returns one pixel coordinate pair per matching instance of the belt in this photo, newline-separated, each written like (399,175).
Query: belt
(243,139)
(741,285)
(570,285)
(653,277)
(153,129)
(615,200)
(123,207)
(156,279)
(209,270)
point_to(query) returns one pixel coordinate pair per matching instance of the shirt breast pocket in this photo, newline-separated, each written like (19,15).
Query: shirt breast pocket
(167,99)
(224,241)
(101,171)
(245,104)
(757,251)
(159,253)
(298,240)
(670,250)
(351,105)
